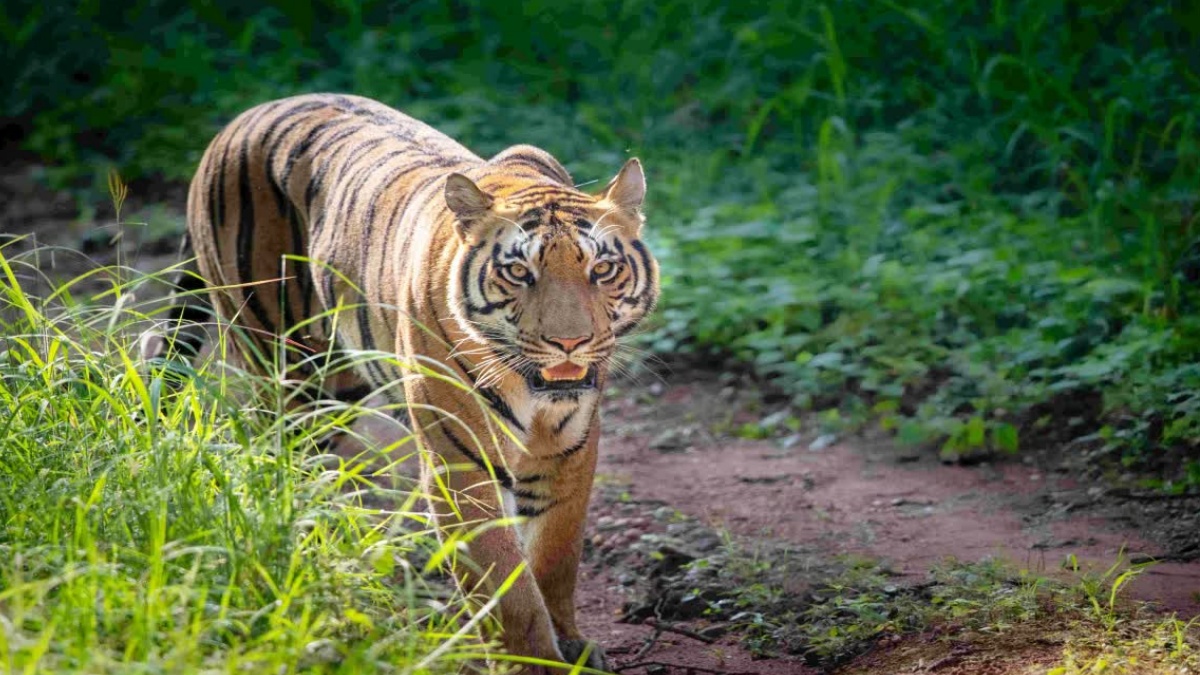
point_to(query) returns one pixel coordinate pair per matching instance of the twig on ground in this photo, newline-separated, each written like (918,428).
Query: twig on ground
(650,642)
(618,650)
(660,625)
(689,668)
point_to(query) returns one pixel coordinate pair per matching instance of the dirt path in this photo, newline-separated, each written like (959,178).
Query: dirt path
(850,498)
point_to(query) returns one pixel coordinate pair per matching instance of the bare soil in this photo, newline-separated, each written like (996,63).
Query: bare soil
(671,488)
(868,496)
(859,497)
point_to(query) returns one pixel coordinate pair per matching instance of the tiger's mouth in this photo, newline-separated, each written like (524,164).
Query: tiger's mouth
(563,377)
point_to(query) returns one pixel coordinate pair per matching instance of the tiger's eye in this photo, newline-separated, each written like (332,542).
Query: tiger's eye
(518,271)
(602,268)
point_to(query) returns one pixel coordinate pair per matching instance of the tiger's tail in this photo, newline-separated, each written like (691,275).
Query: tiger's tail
(181,333)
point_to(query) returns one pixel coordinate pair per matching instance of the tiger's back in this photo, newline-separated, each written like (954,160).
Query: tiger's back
(284,216)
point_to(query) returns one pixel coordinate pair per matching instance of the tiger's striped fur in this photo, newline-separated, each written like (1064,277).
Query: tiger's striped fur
(500,270)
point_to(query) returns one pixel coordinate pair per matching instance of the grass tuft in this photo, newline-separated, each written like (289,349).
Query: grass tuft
(181,526)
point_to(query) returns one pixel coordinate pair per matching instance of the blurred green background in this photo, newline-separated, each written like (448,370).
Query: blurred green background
(973,224)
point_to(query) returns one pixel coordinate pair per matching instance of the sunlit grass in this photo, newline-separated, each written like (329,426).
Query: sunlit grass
(1146,646)
(188,525)
(990,612)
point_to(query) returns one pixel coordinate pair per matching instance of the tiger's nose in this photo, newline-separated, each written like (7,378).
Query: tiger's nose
(567,344)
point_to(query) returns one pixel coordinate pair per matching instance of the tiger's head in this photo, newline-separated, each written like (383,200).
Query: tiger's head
(549,277)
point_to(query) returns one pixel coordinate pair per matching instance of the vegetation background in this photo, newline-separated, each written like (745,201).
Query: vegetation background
(963,220)
(974,224)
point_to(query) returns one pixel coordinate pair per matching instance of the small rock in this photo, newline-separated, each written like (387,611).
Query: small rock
(775,420)
(663,513)
(604,523)
(626,579)
(671,558)
(598,541)
(670,440)
(822,442)
(655,389)
(789,442)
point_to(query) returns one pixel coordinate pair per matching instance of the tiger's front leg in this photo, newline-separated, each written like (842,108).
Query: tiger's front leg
(554,544)
(493,554)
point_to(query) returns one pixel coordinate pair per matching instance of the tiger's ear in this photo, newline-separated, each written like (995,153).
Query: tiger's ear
(465,198)
(628,189)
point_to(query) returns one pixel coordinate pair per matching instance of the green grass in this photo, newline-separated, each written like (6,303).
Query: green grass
(188,525)
(988,606)
(975,225)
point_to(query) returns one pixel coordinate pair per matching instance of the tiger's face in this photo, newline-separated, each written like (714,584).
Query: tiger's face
(549,278)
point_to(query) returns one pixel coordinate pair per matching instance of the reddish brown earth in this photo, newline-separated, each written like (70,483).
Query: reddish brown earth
(854,497)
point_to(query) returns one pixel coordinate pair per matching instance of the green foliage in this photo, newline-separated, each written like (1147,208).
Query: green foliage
(977,220)
(951,320)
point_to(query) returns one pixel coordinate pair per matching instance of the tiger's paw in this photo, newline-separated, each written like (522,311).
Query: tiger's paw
(573,650)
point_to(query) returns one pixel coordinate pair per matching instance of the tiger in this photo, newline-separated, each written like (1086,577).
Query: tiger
(501,272)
